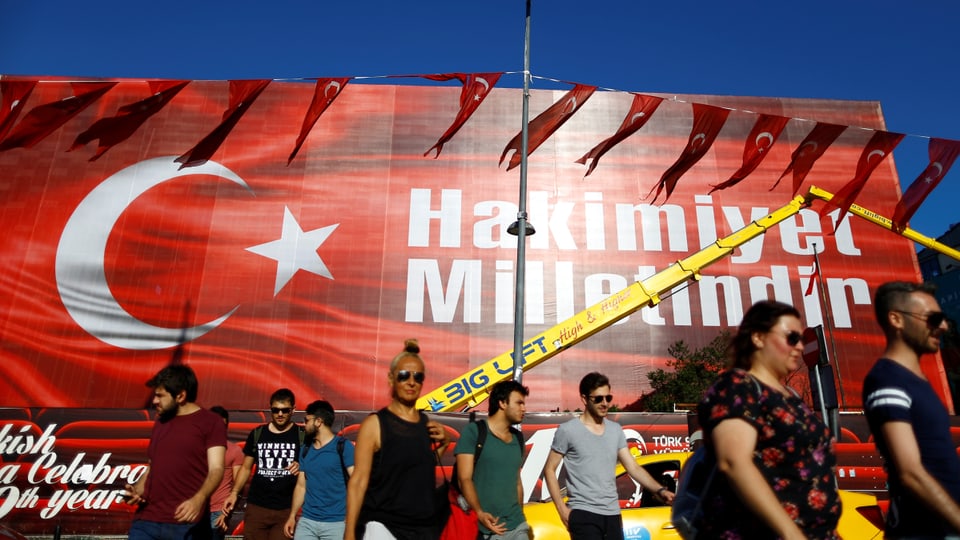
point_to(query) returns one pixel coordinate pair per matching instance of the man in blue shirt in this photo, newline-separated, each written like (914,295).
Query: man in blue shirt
(326,463)
(908,421)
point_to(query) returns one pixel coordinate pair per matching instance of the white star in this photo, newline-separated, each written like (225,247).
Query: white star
(295,250)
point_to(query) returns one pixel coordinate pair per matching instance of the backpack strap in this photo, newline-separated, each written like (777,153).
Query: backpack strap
(341,442)
(481,439)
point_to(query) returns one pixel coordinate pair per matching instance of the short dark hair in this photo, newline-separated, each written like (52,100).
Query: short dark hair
(322,410)
(893,295)
(501,392)
(222,412)
(175,379)
(761,317)
(283,394)
(591,381)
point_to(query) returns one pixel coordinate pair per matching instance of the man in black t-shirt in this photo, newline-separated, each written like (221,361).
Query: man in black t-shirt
(909,422)
(275,448)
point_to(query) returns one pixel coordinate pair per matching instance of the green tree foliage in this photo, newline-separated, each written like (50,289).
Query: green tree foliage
(689,376)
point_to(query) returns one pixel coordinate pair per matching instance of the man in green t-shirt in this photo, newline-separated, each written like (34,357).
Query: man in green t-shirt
(491,484)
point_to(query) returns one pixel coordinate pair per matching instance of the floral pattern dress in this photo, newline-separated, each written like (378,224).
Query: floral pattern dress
(794,452)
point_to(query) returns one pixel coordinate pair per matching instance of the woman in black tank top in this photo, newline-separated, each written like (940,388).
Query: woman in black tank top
(390,494)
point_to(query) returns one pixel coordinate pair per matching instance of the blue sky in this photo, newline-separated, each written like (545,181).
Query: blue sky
(902,54)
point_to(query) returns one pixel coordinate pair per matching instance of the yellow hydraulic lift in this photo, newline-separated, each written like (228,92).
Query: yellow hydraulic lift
(471,388)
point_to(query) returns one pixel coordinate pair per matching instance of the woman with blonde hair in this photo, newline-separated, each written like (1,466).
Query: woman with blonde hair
(774,455)
(391,492)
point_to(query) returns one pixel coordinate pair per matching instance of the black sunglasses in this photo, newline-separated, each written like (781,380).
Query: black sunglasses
(281,410)
(933,319)
(403,375)
(793,338)
(600,399)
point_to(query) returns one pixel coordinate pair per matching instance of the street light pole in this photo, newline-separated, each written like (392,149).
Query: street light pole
(522,228)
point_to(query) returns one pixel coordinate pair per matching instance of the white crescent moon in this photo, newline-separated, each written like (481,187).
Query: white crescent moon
(812,145)
(880,153)
(572,102)
(939,168)
(81,279)
(765,135)
(332,84)
(636,116)
(486,85)
(697,140)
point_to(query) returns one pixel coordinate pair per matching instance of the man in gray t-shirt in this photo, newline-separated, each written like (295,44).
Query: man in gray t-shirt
(590,447)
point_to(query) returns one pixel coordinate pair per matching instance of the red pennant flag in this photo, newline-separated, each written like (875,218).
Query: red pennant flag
(13,97)
(813,146)
(764,133)
(549,121)
(44,119)
(324,94)
(113,131)
(707,122)
(881,144)
(476,88)
(814,276)
(640,111)
(942,153)
(242,96)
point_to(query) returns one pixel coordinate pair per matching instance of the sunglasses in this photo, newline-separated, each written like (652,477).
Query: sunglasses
(793,338)
(281,410)
(933,320)
(600,399)
(403,375)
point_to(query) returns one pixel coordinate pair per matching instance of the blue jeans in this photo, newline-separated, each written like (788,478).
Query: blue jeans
(308,529)
(151,530)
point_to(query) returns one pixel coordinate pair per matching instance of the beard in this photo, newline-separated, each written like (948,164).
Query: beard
(168,413)
(920,343)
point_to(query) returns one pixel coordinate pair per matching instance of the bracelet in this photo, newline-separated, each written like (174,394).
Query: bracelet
(661,490)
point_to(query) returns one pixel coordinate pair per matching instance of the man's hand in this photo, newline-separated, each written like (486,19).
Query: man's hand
(190,510)
(491,522)
(290,526)
(564,512)
(666,495)
(294,468)
(133,496)
(221,521)
(229,503)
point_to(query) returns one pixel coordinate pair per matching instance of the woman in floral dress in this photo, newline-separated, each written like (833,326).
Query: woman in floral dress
(775,457)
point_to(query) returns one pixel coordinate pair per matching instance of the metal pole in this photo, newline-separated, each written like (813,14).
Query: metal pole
(829,325)
(518,316)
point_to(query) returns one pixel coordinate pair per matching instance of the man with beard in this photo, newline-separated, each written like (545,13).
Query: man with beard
(908,421)
(274,447)
(326,462)
(590,447)
(186,455)
(492,485)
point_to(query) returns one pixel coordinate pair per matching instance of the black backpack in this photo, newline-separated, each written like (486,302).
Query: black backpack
(341,442)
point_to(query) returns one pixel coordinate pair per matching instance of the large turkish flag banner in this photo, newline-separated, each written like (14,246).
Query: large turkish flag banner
(261,274)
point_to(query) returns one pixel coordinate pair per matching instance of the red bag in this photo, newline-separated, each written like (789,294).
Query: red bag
(462,524)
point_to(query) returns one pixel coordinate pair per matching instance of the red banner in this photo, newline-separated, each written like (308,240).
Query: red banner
(261,274)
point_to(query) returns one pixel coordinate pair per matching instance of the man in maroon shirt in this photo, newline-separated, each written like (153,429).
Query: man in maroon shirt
(185,462)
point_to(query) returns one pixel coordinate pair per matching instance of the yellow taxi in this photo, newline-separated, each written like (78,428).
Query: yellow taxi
(647,518)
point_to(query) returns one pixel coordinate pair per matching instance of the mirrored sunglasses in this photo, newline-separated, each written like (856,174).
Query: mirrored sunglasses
(404,374)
